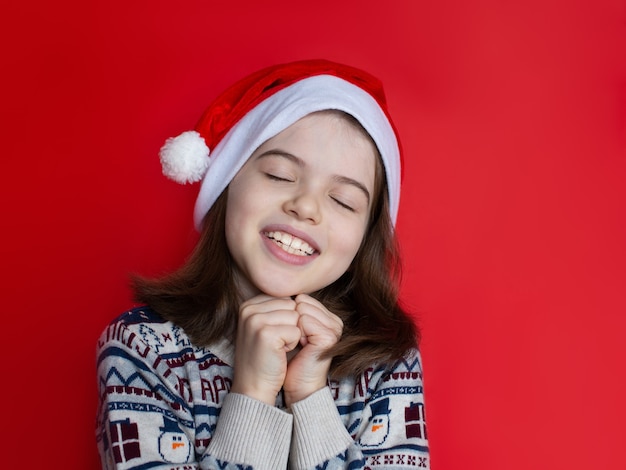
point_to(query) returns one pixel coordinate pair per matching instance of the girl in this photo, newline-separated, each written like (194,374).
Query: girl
(280,343)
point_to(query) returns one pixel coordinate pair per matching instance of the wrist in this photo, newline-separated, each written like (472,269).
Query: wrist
(301,393)
(260,394)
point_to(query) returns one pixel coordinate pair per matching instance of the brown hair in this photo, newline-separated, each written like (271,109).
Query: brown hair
(203,299)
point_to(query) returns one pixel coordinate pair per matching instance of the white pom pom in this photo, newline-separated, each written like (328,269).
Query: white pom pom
(185,158)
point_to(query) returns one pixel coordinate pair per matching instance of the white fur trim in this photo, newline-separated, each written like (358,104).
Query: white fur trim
(284,108)
(185,158)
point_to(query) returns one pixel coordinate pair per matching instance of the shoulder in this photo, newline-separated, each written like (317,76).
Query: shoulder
(403,374)
(398,375)
(141,331)
(408,367)
(143,314)
(411,361)
(144,325)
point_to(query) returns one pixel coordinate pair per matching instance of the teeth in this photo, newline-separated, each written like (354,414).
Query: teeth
(291,244)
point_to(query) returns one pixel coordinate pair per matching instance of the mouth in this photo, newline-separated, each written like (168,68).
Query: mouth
(290,243)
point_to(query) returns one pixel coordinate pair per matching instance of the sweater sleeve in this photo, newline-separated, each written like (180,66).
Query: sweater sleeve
(250,432)
(152,415)
(386,428)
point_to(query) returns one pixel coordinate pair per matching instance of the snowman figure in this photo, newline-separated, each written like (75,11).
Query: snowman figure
(378,426)
(174,445)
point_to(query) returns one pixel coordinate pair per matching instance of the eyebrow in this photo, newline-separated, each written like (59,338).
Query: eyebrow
(298,161)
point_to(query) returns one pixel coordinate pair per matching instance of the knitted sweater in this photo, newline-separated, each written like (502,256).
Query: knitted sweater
(165,403)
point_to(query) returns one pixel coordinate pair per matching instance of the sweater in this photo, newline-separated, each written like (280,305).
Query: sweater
(165,403)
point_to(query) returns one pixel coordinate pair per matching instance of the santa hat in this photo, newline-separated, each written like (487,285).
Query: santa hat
(265,103)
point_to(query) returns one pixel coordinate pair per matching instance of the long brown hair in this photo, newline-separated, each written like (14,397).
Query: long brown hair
(202,296)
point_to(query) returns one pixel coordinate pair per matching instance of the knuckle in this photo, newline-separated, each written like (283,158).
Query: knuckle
(264,334)
(246,309)
(255,321)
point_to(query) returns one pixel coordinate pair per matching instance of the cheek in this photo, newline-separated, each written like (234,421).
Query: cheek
(235,217)
(349,242)
(238,204)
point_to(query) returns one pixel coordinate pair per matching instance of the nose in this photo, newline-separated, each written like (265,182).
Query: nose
(304,206)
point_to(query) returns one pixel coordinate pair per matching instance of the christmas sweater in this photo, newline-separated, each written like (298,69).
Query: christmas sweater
(165,403)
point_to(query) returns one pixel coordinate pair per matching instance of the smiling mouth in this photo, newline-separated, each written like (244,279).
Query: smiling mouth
(290,244)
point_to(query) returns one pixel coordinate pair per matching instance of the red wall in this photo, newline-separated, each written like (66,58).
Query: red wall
(513,119)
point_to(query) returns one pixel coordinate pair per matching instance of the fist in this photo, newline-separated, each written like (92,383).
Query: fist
(268,329)
(320,329)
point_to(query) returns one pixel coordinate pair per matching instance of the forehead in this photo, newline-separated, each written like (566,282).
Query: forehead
(324,133)
(338,120)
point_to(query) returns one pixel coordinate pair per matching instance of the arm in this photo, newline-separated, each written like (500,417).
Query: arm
(252,432)
(384,415)
(155,411)
(139,408)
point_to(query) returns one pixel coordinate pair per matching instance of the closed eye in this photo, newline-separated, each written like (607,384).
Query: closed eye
(343,204)
(277,178)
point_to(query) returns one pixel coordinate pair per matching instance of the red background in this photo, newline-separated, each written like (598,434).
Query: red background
(513,120)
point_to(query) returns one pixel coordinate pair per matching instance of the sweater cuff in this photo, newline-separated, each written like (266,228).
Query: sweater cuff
(318,432)
(252,433)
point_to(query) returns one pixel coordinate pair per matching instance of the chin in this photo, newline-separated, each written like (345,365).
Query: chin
(280,292)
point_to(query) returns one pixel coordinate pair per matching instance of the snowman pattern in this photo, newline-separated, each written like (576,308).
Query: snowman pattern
(174,445)
(378,426)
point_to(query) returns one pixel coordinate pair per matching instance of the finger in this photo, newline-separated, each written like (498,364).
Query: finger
(280,337)
(332,324)
(306,305)
(317,333)
(264,304)
(259,320)
(304,298)
(266,301)
(306,301)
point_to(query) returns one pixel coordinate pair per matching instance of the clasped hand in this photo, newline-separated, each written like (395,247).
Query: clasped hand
(279,344)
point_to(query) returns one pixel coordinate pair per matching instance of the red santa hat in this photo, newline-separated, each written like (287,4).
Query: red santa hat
(265,103)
